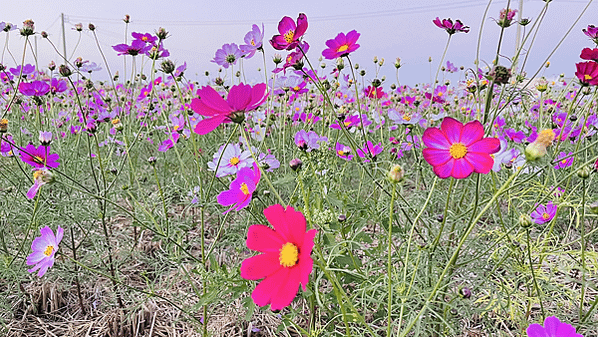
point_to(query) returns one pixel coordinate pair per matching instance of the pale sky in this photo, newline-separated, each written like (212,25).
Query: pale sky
(389,29)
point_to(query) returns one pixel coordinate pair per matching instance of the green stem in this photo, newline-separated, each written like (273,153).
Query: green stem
(389,266)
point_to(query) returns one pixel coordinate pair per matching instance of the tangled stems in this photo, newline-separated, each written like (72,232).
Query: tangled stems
(18,82)
(455,255)
(531,267)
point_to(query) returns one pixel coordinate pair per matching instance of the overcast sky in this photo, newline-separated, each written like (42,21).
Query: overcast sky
(389,29)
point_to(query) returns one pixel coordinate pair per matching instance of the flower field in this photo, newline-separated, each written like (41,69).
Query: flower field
(318,199)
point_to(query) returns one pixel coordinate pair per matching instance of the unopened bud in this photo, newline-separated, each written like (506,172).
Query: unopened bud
(295,164)
(525,220)
(45,137)
(396,174)
(91,27)
(64,70)
(465,292)
(583,172)
(152,160)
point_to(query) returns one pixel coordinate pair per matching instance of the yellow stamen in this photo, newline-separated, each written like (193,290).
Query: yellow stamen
(458,150)
(296,88)
(48,250)
(340,152)
(342,48)
(244,189)
(289,255)
(234,161)
(587,77)
(545,216)
(288,36)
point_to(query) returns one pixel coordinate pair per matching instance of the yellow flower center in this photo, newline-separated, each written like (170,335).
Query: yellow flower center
(144,38)
(347,124)
(244,189)
(234,161)
(545,137)
(48,250)
(289,255)
(343,48)
(407,117)
(587,77)
(440,94)
(296,88)
(564,161)
(545,216)
(458,150)
(288,36)
(340,152)
(252,42)
(37,174)
(38,159)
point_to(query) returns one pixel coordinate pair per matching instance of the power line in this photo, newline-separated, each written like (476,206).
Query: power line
(412,10)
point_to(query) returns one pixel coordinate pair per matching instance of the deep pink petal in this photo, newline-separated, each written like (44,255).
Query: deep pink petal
(434,138)
(481,162)
(301,26)
(260,266)
(285,25)
(471,132)
(264,239)
(287,291)
(207,125)
(436,156)
(290,224)
(229,197)
(239,97)
(213,100)
(485,145)
(352,36)
(265,290)
(551,325)
(258,96)
(536,330)
(452,129)
(198,106)
(444,171)
(306,263)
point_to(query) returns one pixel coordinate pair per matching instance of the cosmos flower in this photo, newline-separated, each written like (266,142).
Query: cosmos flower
(57,86)
(145,38)
(592,33)
(27,69)
(40,178)
(343,151)
(241,99)
(285,262)
(450,27)
(562,161)
(137,47)
(294,59)
(589,54)
(39,157)
(233,159)
(290,33)
(370,150)
(241,189)
(35,88)
(308,141)
(341,45)
(457,150)
(253,41)
(44,249)
(543,214)
(553,327)
(587,73)
(227,55)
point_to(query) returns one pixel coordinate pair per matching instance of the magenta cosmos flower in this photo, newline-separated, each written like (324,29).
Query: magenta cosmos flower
(450,27)
(592,33)
(456,150)
(341,45)
(290,33)
(589,54)
(543,214)
(137,47)
(285,262)
(39,157)
(44,248)
(253,41)
(241,98)
(241,189)
(35,88)
(587,73)
(553,327)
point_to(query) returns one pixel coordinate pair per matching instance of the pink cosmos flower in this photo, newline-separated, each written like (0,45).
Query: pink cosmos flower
(592,33)
(589,54)
(290,33)
(543,214)
(39,157)
(450,27)
(562,161)
(35,88)
(587,73)
(40,178)
(241,189)
(137,47)
(145,38)
(370,150)
(241,98)
(285,262)
(341,45)
(456,150)
(253,41)
(44,248)
(553,327)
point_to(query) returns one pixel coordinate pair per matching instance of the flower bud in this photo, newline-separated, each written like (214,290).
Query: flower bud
(534,151)
(45,137)
(342,218)
(64,70)
(162,34)
(117,124)
(583,172)
(44,34)
(79,27)
(340,64)
(91,27)
(396,174)
(152,160)
(167,66)
(525,220)
(295,164)
(277,59)
(28,28)
(127,18)
(465,292)
(398,63)
(3,125)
